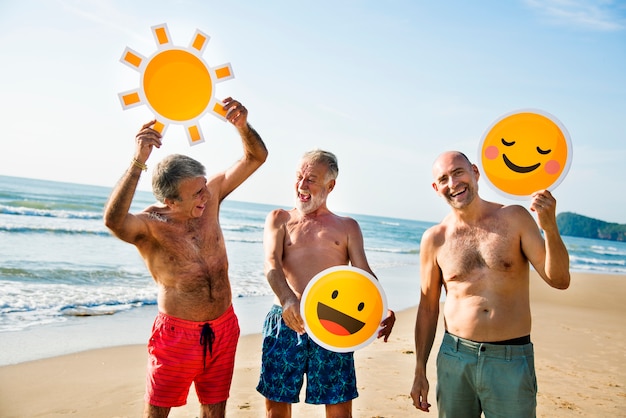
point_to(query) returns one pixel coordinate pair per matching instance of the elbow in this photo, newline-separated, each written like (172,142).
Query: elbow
(262,158)
(110,224)
(108,219)
(563,283)
(257,159)
(563,286)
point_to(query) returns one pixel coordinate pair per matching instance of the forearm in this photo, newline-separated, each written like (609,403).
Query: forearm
(278,282)
(289,301)
(254,147)
(425,328)
(557,260)
(121,198)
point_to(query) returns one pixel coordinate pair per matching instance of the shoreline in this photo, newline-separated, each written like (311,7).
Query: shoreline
(77,334)
(132,327)
(579,357)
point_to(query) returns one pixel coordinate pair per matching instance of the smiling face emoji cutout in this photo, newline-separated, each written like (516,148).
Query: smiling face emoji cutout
(342,308)
(525,151)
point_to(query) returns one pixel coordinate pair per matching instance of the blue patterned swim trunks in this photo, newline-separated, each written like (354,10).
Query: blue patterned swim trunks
(287,357)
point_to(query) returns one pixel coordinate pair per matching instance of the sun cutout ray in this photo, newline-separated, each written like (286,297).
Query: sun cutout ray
(176,84)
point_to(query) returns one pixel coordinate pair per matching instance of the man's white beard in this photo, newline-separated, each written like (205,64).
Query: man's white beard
(312,205)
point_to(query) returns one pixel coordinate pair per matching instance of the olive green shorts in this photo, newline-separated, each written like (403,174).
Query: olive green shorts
(494,379)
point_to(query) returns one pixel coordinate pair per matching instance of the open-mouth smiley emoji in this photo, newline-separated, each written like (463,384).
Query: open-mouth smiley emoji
(525,151)
(342,308)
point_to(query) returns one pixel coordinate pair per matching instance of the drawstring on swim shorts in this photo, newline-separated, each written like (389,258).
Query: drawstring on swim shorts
(207,336)
(273,323)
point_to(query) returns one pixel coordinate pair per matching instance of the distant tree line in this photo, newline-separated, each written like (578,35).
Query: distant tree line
(576,225)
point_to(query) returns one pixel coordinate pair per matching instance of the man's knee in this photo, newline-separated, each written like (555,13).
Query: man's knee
(216,410)
(151,411)
(277,409)
(340,410)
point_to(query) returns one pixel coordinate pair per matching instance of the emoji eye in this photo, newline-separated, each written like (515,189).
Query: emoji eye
(335,294)
(507,144)
(361,306)
(542,152)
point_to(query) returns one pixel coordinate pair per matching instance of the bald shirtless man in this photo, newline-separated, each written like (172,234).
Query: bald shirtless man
(196,331)
(299,243)
(480,254)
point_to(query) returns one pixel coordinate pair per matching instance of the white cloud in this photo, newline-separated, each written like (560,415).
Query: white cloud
(599,15)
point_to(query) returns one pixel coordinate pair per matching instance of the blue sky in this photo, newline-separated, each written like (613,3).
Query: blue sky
(385,85)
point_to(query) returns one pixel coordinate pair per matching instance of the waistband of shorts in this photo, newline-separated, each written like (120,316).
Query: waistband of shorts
(493,350)
(193,325)
(276,309)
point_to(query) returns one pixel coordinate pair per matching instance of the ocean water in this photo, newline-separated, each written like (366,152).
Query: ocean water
(58,261)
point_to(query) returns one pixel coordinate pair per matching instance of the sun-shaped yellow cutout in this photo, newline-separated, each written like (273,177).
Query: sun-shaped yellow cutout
(176,83)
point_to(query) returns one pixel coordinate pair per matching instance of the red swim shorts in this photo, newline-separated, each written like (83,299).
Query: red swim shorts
(181,352)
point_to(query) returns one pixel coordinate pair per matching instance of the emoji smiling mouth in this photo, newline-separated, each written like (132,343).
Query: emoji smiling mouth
(336,322)
(517,168)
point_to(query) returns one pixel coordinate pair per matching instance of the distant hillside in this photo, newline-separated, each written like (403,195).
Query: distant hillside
(581,226)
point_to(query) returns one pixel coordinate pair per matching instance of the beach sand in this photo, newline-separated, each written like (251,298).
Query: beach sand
(579,339)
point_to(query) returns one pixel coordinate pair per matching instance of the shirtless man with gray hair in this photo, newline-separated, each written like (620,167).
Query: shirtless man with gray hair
(195,334)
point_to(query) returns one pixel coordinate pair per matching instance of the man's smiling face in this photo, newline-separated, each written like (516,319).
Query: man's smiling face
(312,187)
(456,180)
(193,195)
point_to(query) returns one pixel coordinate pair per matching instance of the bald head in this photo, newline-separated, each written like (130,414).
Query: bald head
(450,157)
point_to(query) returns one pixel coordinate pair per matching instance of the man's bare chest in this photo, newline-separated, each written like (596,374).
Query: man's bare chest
(198,238)
(309,234)
(467,251)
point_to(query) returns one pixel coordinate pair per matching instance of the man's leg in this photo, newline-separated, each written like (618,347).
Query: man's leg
(283,364)
(340,410)
(277,409)
(151,411)
(216,410)
(456,375)
(509,382)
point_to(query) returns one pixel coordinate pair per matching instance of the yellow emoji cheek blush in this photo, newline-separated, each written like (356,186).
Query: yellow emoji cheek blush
(525,151)
(342,308)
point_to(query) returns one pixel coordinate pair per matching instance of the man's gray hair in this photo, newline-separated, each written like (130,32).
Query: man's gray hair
(170,171)
(325,157)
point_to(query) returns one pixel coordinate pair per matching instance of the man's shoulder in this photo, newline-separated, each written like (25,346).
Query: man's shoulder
(281,212)
(280,216)
(511,219)
(495,209)
(511,213)
(437,232)
(344,218)
(342,223)
(512,208)
(436,228)
(154,212)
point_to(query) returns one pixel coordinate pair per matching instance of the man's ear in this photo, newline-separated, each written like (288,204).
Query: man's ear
(476,171)
(331,185)
(169,202)
(435,188)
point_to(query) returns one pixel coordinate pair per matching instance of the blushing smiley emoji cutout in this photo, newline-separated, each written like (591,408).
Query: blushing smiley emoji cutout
(525,151)
(342,308)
